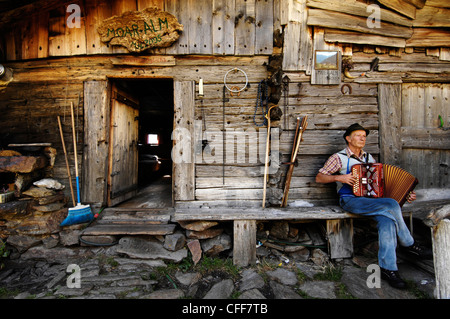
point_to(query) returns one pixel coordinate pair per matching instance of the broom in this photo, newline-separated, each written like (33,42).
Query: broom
(80,213)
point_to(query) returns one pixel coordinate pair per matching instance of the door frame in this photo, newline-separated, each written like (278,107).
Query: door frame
(97,112)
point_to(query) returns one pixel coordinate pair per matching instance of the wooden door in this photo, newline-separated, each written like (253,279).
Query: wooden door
(123,147)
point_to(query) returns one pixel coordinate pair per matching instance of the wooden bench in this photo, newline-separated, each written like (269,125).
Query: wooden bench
(339,223)
(339,226)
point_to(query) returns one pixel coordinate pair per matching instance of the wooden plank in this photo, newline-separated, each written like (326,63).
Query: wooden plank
(390,105)
(43,34)
(324,76)
(223,27)
(359,9)
(245,18)
(131,60)
(182,154)
(429,37)
(244,245)
(96,139)
(180,9)
(342,36)
(264,27)
(414,67)
(441,258)
(425,138)
(340,238)
(142,4)
(432,17)
(129,229)
(337,20)
(200,35)
(269,213)
(401,7)
(96,12)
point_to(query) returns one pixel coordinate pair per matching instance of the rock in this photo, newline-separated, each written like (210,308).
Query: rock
(300,255)
(319,257)
(283,276)
(37,192)
(165,294)
(174,242)
(280,229)
(252,294)
(49,183)
(250,280)
(88,240)
(205,234)
(221,290)
(319,289)
(216,245)
(69,237)
(187,279)
(49,207)
(136,247)
(198,225)
(196,250)
(23,242)
(283,292)
(22,164)
(51,241)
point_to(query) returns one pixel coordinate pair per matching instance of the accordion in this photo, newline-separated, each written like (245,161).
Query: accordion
(383,180)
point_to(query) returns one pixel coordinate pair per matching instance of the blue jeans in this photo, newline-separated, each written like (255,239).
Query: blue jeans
(388,215)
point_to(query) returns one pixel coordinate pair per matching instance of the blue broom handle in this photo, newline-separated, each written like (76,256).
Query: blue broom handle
(78,190)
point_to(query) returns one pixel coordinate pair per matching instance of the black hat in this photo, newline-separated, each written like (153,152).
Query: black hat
(355,127)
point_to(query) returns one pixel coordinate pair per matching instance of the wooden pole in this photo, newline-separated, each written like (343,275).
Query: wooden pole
(266,163)
(67,161)
(440,235)
(441,258)
(291,165)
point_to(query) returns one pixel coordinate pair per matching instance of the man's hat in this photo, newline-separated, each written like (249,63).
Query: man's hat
(355,127)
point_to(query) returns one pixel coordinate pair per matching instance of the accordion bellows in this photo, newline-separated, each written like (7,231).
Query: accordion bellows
(383,180)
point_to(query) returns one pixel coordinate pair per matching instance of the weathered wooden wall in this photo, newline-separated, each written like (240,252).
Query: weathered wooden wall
(51,64)
(220,27)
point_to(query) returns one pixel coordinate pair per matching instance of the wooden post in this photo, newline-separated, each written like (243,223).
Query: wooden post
(244,246)
(441,256)
(340,238)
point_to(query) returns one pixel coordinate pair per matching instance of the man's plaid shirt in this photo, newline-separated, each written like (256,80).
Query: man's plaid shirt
(334,164)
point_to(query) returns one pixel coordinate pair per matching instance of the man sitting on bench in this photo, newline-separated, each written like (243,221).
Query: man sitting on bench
(385,211)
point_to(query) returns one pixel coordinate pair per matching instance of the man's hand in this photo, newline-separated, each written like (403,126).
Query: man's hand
(347,179)
(411,197)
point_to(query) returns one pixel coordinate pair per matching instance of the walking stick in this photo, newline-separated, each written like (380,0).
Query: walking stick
(295,148)
(266,163)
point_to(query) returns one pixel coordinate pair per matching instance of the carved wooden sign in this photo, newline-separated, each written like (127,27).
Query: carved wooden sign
(141,30)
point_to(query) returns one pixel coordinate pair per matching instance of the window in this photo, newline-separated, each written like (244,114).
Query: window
(152,139)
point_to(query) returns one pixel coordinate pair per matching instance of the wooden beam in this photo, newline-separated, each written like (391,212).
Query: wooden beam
(337,20)
(441,257)
(390,105)
(425,138)
(340,238)
(244,246)
(419,4)
(432,17)
(342,36)
(425,37)
(401,7)
(358,9)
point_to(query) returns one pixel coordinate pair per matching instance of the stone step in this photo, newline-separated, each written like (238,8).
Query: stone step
(129,229)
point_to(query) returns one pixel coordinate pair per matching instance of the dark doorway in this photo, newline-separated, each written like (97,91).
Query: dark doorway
(156,113)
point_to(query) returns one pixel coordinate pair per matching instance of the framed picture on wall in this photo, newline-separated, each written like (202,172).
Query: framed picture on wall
(326,60)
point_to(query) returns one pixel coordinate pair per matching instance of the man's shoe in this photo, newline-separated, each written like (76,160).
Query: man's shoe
(418,251)
(393,278)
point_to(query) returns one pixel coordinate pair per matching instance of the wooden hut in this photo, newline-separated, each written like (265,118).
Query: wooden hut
(191,82)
